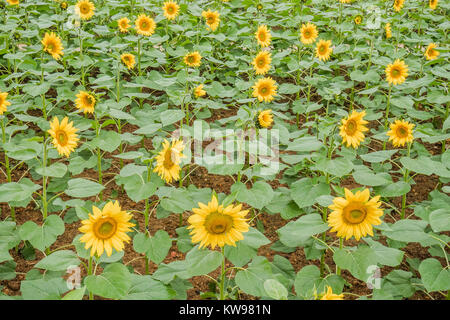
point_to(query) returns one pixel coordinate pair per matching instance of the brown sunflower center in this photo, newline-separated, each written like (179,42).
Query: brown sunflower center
(87,100)
(217,223)
(168,159)
(264,90)
(191,59)
(395,72)
(323,49)
(261,62)
(351,127)
(61,137)
(84,8)
(105,228)
(402,132)
(354,213)
(210,19)
(307,34)
(262,36)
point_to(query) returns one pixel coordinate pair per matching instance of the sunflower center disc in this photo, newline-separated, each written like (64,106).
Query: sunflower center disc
(354,215)
(395,72)
(105,228)
(217,223)
(322,49)
(62,138)
(351,127)
(262,37)
(170,10)
(264,90)
(168,162)
(402,132)
(261,62)
(84,9)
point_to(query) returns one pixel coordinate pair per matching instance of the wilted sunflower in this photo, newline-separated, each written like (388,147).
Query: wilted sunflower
(323,50)
(13,2)
(193,59)
(84,9)
(3,103)
(265,89)
(64,136)
(400,133)
(388,30)
(358,19)
(53,45)
(396,72)
(352,129)
(265,118)
(128,60)
(106,229)
(355,215)
(433,4)
(329,295)
(308,33)
(263,36)
(168,160)
(170,9)
(145,25)
(430,53)
(212,19)
(398,5)
(213,225)
(85,102)
(199,92)
(261,63)
(124,24)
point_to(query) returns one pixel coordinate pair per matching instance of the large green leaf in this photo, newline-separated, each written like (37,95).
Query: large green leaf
(113,283)
(42,237)
(297,232)
(82,188)
(434,276)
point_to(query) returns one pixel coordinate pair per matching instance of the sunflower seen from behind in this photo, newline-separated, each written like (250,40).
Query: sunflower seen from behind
(53,45)
(265,89)
(85,102)
(401,133)
(85,9)
(145,25)
(193,59)
(213,225)
(171,10)
(123,24)
(263,36)
(396,72)
(324,50)
(430,52)
(265,118)
(129,60)
(353,128)
(212,19)
(3,102)
(261,63)
(308,33)
(64,136)
(168,160)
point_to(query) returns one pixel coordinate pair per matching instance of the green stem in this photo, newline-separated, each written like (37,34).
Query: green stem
(8,169)
(341,244)
(44,184)
(222,276)
(322,258)
(147,207)
(405,176)
(91,295)
(387,113)
(99,155)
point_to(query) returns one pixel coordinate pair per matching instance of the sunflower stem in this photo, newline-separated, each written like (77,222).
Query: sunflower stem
(405,176)
(322,258)
(147,207)
(387,113)
(8,169)
(99,155)
(89,271)
(341,245)
(44,183)
(222,276)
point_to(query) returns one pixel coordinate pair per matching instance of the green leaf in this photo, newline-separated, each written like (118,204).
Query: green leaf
(434,276)
(423,165)
(56,170)
(378,156)
(338,167)
(147,288)
(407,231)
(251,280)
(42,237)
(171,116)
(396,189)
(107,140)
(58,261)
(275,289)
(305,144)
(202,261)
(35,90)
(8,270)
(386,256)
(156,247)
(76,294)
(306,192)
(306,281)
(440,220)
(82,188)
(257,197)
(43,289)
(14,191)
(358,262)
(148,129)
(178,201)
(297,232)
(367,178)
(167,272)
(113,283)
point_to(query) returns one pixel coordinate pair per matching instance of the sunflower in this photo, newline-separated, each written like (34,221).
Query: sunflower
(398,5)
(345,1)
(400,133)
(430,53)
(265,89)
(52,44)
(323,50)
(433,4)
(213,225)
(265,118)
(64,5)
(145,25)
(85,9)
(3,103)
(388,30)
(106,229)
(396,72)
(352,129)
(329,295)
(170,10)
(13,2)
(124,24)
(358,19)
(263,36)
(193,59)
(199,92)
(308,33)
(85,102)
(168,160)
(64,136)
(212,19)
(128,60)
(355,215)
(261,63)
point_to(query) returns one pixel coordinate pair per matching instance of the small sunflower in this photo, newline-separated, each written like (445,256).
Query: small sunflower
(212,19)
(85,102)
(213,225)
(400,133)
(128,59)
(263,36)
(352,129)
(308,33)
(261,63)
(145,25)
(13,2)
(168,160)
(323,50)
(396,72)
(259,7)
(265,89)
(106,229)
(388,30)
(199,92)
(358,19)
(170,9)
(355,215)
(193,59)
(63,5)
(345,1)
(265,118)
(329,295)
(124,24)
(3,103)
(53,45)
(433,4)
(64,136)
(84,9)
(398,5)
(430,53)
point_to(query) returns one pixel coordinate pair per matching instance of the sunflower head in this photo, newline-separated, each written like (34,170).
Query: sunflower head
(85,101)
(145,25)
(171,10)
(193,59)
(259,6)
(358,19)
(265,118)
(398,5)
(355,214)
(323,50)
(263,36)
(433,4)
(265,89)
(345,1)
(64,136)
(261,63)
(396,72)
(388,30)
(401,133)
(308,33)
(128,59)
(168,160)
(213,225)
(123,24)
(63,5)
(431,53)
(3,103)
(53,45)
(329,295)
(212,19)
(353,128)
(84,9)
(106,229)
(199,92)
(13,2)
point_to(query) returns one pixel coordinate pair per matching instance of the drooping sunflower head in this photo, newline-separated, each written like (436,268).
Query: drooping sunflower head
(199,92)
(324,50)
(64,137)
(124,24)
(84,9)
(358,19)
(145,25)
(388,30)
(53,45)
(265,118)
(431,53)
(396,72)
(263,36)
(355,214)
(212,19)
(261,63)
(433,4)
(13,2)
(106,229)
(128,59)
(329,295)
(85,101)
(168,160)
(265,89)
(193,59)
(401,133)
(213,225)
(353,128)
(308,33)
(171,10)
(398,5)
(3,103)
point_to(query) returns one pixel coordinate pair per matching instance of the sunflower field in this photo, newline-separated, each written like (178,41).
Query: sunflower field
(224,150)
